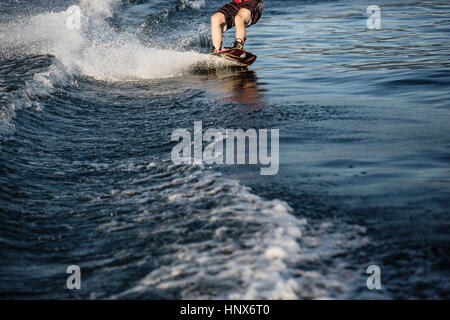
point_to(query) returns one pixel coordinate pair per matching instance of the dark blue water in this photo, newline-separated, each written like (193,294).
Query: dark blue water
(86,178)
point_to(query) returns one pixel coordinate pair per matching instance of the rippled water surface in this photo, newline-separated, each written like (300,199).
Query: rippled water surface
(86,118)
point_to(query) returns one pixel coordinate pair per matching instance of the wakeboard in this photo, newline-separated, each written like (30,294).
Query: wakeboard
(240,57)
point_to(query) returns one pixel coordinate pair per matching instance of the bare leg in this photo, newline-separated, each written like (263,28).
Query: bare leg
(217,23)
(242,18)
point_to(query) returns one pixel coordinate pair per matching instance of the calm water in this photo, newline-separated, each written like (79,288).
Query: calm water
(86,118)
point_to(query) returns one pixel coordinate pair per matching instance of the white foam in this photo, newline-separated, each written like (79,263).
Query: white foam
(275,253)
(193,4)
(95,50)
(7,114)
(258,245)
(261,261)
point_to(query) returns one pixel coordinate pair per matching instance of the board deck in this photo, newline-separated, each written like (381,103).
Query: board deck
(241,57)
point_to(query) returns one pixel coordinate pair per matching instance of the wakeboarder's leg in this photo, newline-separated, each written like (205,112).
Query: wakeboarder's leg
(217,24)
(242,19)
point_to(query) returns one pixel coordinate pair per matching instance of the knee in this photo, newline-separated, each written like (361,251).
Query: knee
(217,18)
(244,15)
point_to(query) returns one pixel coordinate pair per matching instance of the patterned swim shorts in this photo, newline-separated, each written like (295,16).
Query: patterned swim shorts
(231,9)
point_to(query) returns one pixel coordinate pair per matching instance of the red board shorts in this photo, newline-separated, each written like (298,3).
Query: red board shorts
(231,9)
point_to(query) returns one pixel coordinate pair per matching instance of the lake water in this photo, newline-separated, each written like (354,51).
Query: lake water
(86,177)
